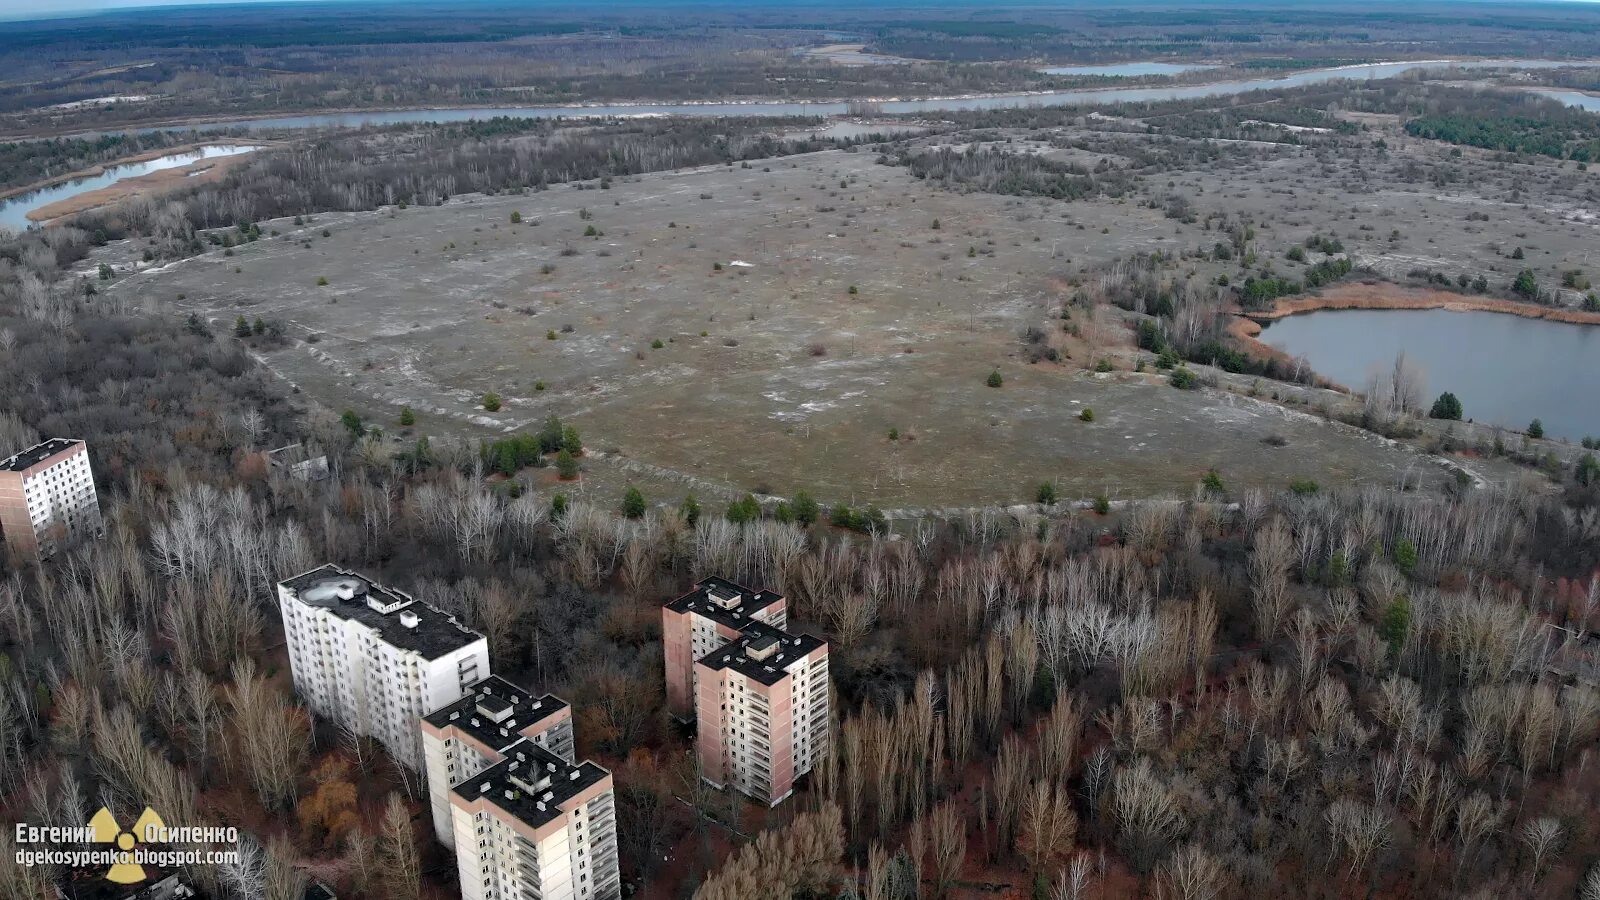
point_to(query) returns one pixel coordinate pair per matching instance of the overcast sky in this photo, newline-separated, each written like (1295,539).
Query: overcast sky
(43,9)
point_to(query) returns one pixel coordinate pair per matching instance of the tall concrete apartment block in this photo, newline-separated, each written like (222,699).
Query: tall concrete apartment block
(373,659)
(711,615)
(536,826)
(761,706)
(47,498)
(472,734)
(759,694)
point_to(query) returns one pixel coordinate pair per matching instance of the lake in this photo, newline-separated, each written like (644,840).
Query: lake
(1590,102)
(1093,97)
(14,212)
(1124,70)
(1506,369)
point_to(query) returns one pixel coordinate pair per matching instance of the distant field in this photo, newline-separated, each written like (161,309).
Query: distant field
(795,381)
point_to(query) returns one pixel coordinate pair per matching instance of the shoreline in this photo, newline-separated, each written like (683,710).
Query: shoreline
(1246,327)
(157,182)
(100,168)
(1381,295)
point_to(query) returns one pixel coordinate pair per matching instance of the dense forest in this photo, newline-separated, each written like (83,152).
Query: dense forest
(1558,131)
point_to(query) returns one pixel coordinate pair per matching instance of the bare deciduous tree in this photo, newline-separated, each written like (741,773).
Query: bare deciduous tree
(1189,874)
(1146,813)
(1269,579)
(397,848)
(273,737)
(947,840)
(1543,837)
(1049,826)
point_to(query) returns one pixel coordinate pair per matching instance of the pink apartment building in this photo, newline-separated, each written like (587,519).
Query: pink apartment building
(759,694)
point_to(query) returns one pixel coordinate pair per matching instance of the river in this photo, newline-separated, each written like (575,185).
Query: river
(14,211)
(1125,70)
(1507,370)
(1092,97)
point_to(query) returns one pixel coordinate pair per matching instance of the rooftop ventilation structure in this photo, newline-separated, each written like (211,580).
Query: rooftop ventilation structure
(761,648)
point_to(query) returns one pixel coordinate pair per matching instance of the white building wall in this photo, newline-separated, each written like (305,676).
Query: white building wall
(577,862)
(810,705)
(594,827)
(348,673)
(471,862)
(449,761)
(62,494)
(436,762)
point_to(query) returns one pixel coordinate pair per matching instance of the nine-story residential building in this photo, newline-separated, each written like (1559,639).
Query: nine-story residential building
(759,695)
(536,826)
(47,498)
(711,615)
(463,738)
(761,711)
(373,659)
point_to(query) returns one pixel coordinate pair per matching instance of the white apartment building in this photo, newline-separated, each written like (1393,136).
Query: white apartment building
(470,735)
(47,498)
(373,659)
(536,826)
(761,711)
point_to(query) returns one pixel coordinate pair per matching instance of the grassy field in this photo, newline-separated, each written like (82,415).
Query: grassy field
(807,306)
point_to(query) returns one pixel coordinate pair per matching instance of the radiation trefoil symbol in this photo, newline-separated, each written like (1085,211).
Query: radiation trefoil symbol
(107,831)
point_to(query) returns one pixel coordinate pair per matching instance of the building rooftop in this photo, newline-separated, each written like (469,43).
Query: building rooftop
(531,783)
(725,602)
(495,711)
(91,884)
(36,454)
(762,653)
(402,621)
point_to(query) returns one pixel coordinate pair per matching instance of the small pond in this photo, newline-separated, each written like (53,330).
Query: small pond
(1506,369)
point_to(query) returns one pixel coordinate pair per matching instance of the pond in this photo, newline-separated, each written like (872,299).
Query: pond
(1507,370)
(14,211)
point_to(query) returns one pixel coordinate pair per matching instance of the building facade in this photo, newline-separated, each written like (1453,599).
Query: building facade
(536,826)
(373,659)
(470,735)
(47,498)
(761,711)
(715,613)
